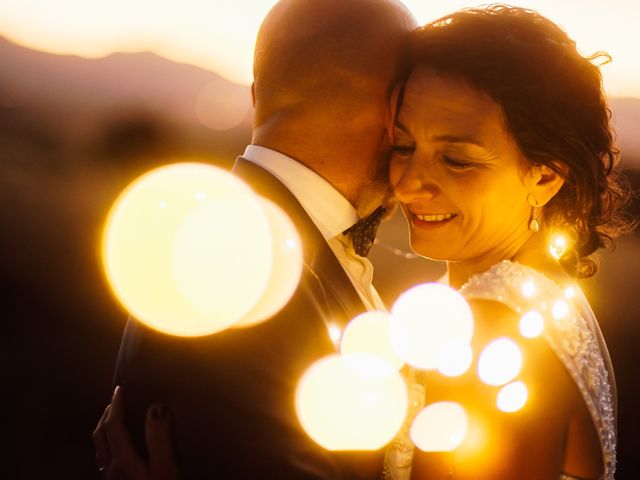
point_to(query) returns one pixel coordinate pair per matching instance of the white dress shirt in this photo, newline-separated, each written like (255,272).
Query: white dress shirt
(331,213)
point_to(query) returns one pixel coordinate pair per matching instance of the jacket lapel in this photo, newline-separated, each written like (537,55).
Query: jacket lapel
(341,298)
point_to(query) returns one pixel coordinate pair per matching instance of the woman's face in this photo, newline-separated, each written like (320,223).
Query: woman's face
(457,172)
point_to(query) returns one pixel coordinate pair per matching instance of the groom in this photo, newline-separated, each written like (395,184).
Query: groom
(323,74)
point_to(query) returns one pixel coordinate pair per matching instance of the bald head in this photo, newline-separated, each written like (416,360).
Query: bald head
(310,51)
(323,72)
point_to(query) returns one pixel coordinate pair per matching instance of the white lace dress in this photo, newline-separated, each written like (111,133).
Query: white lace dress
(576,339)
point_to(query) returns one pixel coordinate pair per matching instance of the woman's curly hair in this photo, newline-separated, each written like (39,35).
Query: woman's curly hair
(554,108)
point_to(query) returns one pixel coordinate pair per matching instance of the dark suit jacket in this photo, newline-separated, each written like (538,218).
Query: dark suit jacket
(231,395)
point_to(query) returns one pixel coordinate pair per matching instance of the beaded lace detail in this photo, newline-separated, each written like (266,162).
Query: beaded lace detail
(570,330)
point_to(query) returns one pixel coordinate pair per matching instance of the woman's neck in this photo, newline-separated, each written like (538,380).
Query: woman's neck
(531,251)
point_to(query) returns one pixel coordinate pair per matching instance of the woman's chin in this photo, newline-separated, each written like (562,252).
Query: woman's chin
(428,250)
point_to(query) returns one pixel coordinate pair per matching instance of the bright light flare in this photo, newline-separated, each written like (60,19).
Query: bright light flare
(560,309)
(425,319)
(454,358)
(558,245)
(187,249)
(531,324)
(528,289)
(334,333)
(351,402)
(512,397)
(500,362)
(222,105)
(286,266)
(439,427)
(369,333)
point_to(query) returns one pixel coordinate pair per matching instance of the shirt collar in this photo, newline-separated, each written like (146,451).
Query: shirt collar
(327,208)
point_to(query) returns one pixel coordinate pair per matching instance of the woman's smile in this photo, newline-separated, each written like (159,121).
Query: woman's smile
(430,220)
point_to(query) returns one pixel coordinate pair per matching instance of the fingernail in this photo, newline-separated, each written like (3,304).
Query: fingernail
(159,412)
(115,392)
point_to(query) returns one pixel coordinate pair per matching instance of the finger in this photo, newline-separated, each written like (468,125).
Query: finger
(162,462)
(117,404)
(100,441)
(125,462)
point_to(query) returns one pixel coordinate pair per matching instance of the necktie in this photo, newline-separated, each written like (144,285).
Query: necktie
(363,232)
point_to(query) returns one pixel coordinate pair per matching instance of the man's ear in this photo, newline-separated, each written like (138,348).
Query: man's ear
(545,183)
(392,110)
(253,94)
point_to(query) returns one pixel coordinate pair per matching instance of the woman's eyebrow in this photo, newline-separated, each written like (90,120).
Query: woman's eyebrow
(401,130)
(458,139)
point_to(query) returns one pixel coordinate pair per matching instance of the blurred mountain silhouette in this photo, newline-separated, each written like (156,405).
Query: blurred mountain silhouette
(88,88)
(77,96)
(120,104)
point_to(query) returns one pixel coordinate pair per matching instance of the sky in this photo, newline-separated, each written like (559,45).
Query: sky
(219,34)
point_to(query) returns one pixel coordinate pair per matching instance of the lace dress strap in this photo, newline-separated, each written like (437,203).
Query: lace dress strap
(571,332)
(399,456)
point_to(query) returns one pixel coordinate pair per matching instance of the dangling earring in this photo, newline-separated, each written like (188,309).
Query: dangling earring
(534,224)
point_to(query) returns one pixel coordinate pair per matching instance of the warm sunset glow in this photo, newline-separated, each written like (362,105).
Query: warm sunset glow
(220,35)
(351,402)
(369,333)
(286,266)
(439,427)
(425,319)
(170,258)
(500,362)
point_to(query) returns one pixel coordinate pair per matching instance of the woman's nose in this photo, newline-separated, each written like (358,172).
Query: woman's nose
(413,183)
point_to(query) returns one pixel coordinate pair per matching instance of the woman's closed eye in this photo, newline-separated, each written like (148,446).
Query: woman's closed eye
(457,164)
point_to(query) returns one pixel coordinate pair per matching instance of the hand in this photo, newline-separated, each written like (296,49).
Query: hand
(117,457)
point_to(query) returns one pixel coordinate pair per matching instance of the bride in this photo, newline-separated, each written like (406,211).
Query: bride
(502,139)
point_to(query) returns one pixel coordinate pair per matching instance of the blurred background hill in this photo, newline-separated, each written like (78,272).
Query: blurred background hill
(73,133)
